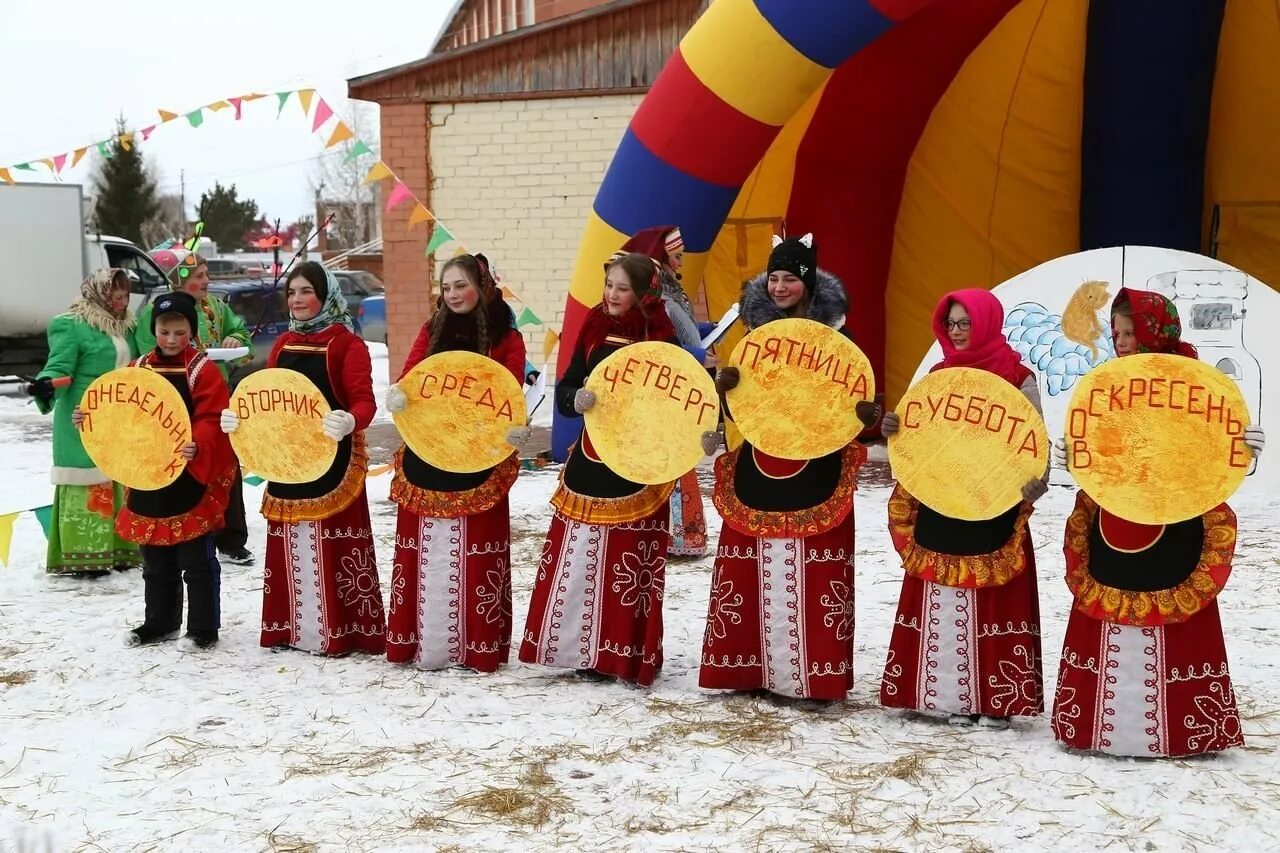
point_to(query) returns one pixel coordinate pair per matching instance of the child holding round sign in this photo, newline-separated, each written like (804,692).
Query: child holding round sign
(1144,666)
(93,336)
(597,600)
(781,610)
(175,524)
(966,638)
(320,588)
(451,582)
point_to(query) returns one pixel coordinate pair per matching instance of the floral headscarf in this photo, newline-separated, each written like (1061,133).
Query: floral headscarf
(94,305)
(1155,322)
(332,310)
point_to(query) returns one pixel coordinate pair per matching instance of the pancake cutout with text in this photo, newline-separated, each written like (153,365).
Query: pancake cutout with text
(653,403)
(281,433)
(1157,439)
(135,425)
(967,443)
(799,383)
(461,405)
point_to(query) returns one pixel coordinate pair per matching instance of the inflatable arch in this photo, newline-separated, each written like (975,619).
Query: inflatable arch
(936,144)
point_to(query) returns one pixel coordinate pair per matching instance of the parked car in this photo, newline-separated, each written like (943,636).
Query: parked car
(357,286)
(371,318)
(223,268)
(261,306)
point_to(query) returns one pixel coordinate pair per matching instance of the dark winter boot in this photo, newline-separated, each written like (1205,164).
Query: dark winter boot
(201,639)
(145,635)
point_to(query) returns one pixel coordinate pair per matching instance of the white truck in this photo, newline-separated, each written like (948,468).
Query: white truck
(45,253)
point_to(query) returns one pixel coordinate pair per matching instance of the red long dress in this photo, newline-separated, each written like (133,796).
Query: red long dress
(320,591)
(451,579)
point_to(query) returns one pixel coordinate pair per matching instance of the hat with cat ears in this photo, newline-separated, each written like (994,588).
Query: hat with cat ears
(796,255)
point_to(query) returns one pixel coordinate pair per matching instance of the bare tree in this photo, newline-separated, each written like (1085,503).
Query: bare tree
(170,222)
(337,182)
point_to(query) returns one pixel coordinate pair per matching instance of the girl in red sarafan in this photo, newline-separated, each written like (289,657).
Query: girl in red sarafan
(1144,666)
(451,580)
(175,525)
(320,588)
(966,638)
(780,617)
(597,600)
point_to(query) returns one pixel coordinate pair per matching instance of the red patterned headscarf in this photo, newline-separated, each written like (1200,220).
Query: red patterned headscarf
(1155,322)
(988,349)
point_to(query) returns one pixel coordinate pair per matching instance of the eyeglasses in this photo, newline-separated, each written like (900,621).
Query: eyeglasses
(962,325)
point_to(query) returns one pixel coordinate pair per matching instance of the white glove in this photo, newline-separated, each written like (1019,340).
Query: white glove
(1255,438)
(583,400)
(396,400)
(1059,453)
(229,422)
(518,436)
(339,424)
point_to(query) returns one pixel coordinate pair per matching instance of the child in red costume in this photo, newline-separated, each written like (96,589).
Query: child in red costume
(175,525)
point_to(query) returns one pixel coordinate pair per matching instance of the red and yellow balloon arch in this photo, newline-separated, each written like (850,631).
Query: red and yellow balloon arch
(937,144)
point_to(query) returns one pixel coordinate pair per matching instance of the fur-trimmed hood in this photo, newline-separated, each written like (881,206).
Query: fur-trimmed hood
(828,303)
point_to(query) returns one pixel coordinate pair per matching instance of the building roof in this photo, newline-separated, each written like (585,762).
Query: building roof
(629,41)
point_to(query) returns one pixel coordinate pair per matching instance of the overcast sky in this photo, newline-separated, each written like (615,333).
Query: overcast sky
(69,68)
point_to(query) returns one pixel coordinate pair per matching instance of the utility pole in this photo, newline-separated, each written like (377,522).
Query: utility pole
(182,183)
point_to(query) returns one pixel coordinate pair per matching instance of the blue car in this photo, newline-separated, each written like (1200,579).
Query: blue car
(371,319)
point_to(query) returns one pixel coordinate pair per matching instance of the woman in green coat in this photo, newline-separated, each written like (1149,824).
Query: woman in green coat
(93,337)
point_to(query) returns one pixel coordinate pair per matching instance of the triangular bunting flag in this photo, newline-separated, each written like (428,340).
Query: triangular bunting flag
(58,163)
(6,536)
(304,98)
(284,99)
(237,103)
(47,162)
(26,167)
(508,292)
(460,251)
(126,141)
(217,106)
(78,156)
(527,318)
(196,118)
(44,514)
(251,97)
(341,133)
(5,176)
(419,214)
(104,150)
(398,194)
(323,112)
(439,236)
(166,116)
(356,150)
(377,173)
(253,480)
(548,344)
(147,131)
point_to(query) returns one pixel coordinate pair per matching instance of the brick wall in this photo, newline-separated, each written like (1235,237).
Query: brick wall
(516,179)
(406,272)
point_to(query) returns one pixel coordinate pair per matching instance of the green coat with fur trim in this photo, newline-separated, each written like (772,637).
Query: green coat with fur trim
(79,348)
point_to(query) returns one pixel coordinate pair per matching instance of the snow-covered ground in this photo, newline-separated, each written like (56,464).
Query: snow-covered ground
(108,748)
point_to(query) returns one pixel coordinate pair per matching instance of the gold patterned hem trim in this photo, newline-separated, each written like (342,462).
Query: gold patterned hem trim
(432,504)
(1158,607)
(591,510)
(971,571)
(796,523)
(293,510)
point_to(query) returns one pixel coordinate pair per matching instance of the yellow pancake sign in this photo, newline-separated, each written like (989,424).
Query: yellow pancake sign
(1157,439)
(281,433)
(135,426)
(653,403)
(799,383)
(460,407)
(967,443)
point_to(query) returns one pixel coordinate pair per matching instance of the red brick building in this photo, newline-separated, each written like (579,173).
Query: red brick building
(504,131)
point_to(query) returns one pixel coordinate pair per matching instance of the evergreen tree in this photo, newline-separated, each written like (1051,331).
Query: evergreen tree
(226,218)
(125,194)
